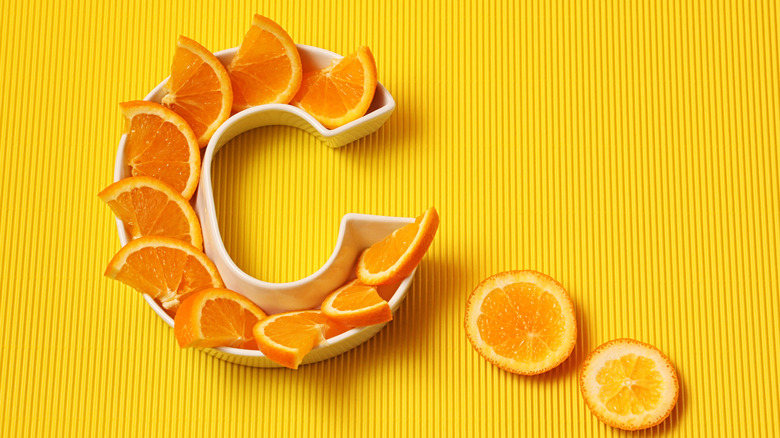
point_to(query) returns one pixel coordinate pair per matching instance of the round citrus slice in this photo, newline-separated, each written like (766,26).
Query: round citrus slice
(161,144)
(216,318)
(521,321)
(286,338)
(198,89)
(167,269)
(149,207)
(266,68)
(395,257)
(356,305)
(341,92)
(629,384)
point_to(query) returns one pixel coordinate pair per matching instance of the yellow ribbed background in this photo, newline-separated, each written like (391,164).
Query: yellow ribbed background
(627,148)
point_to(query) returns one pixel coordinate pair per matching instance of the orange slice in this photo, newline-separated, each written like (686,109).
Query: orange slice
(341,92)
(521,321)
(356,305)
(629,384)
(286,338)
(148,207)
(216,318)
(161,144)
(198,89)
(266,68)
(167,269)
(394,258)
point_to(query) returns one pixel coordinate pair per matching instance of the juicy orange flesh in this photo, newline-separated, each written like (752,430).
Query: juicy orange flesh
(150,212)
(195,90)
(164,273)
(357,296)
(383,254)
(521,322)
(226,319)
(335,90)
(299,331)
(631,385)
(158,149)
(261,70)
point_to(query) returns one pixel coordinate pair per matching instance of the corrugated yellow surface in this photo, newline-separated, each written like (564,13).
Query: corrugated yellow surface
(627,148)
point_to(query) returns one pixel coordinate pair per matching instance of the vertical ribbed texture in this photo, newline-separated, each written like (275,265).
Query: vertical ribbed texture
(628,149)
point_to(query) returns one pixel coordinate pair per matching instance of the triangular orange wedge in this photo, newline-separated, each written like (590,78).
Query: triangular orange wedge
(161,144)
(166,269)
(198,89)
(266,68)
(341,92)
(286,338)
(149,207)
(356,305)
(394,258)
(217,318)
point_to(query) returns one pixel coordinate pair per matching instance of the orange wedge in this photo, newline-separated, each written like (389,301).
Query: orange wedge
(217,318)
(148,207)
(161,144)
(629,384)
(521,321)
(167,269)
(341,92)
(198,89)
(394,258)
(286,338)
(356,305)
(267,67)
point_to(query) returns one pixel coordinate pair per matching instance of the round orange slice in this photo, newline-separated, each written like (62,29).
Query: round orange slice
(341,92)
(356,305)
(161,144)
(266,68)
(629,384)
(149,207)
(395,257)
(167,269)
(521,321)
(286,338)
(198,89)
(216,318)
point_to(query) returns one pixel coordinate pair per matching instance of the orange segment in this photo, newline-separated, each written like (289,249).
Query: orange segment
(629,384)
(161,144)
(394,258)
(167,269)
(198,89)
(216,318)
(148,207)
(286,338)
(341,92)
(356,305)
(521,321)
(266,68)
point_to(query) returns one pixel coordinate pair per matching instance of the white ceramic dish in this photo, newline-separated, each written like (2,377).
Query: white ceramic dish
(356,232)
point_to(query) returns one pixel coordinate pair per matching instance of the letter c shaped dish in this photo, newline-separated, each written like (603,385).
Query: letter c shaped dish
(356,232)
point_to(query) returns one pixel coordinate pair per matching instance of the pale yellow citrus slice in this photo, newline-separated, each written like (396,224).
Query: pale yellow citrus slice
(629,384)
